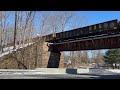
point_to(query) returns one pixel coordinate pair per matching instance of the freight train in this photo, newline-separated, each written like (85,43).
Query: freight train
(108,27)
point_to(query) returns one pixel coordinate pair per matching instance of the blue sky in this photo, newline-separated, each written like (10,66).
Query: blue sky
(94,17)
(91,17)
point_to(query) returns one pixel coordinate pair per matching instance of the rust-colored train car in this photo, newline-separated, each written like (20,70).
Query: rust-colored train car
(92,30)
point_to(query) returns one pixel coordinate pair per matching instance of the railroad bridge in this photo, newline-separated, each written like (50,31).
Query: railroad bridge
(104,35)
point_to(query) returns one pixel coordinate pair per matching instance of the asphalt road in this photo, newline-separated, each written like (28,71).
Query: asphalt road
(62,76)
(94,74)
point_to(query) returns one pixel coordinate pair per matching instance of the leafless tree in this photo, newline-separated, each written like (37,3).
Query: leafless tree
(31,27)
(3,28)
(53,24)
(64,18)
(99,58)
(43,22)
(15,30)
(28,16)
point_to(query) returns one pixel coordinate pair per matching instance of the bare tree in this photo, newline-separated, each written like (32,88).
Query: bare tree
(19,29)
(15,30)
(53,24)
(28,15)
(31,25)
(43,22)
(64,18)
(99,58)
(93,54)
(3,27)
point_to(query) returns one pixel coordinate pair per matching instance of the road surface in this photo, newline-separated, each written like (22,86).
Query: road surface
(94,74)
(62,76)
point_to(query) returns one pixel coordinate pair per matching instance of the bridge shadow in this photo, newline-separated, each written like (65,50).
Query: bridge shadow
(100,76)
(54,60)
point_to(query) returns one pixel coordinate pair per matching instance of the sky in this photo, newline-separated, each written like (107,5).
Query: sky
(91,17)
(94,17)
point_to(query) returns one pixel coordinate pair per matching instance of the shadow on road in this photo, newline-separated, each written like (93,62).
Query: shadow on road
(100,76)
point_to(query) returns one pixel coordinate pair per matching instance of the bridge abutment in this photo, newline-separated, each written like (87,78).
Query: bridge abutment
(34,56)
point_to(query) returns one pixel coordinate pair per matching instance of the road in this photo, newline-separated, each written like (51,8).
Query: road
(62,76)
(94,74)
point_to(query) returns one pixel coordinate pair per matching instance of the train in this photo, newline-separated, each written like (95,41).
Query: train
(108,27)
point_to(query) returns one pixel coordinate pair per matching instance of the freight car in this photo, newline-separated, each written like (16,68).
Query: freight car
(109,27)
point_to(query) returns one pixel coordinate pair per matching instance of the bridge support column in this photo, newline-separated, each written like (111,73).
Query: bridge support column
(51,59)
(54,60)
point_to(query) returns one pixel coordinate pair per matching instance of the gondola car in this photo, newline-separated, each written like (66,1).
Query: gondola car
(108,27)
(104,28)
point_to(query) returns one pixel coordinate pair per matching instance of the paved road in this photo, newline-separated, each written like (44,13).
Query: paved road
(61,76)
(99,71)
(94,74)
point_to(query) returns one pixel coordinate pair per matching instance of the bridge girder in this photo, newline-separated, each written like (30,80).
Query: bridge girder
(93,44)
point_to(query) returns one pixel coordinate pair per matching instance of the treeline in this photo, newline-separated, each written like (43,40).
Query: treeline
(85,58)
(17,27)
